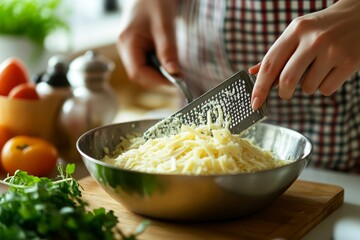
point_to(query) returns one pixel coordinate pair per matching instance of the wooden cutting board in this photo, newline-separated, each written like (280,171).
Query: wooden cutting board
(291,216)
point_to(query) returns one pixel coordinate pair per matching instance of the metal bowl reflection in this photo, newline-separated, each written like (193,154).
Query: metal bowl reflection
(187,198)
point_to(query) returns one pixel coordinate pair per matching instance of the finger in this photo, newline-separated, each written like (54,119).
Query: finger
(315,74)
(254,69)
(334,80)
(165,45)
(293,71)
(270,69)
(133,57)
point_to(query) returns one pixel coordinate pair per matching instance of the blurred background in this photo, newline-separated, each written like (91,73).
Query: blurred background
(35,30)
(91,24)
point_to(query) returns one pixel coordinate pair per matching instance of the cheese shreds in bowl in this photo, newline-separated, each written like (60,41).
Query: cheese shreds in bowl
(195,150)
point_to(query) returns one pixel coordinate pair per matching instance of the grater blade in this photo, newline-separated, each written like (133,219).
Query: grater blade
(233,96)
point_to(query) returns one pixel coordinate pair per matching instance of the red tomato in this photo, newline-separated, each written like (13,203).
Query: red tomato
(24,91)
(30,154)
(12,73)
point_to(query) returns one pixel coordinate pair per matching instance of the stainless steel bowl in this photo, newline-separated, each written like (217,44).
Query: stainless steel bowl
(186,198)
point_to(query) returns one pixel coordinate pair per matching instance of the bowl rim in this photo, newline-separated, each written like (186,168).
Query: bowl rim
(266,171)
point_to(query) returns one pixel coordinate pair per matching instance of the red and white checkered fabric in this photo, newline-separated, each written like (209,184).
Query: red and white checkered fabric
(218,38)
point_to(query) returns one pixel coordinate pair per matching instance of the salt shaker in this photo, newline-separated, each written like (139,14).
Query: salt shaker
(93,102)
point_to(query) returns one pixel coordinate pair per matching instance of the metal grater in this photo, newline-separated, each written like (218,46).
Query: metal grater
(232,95)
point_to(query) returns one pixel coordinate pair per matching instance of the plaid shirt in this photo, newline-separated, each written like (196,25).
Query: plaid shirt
(218,38)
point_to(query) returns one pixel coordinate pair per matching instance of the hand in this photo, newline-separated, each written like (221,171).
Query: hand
(319,51)
(148,25)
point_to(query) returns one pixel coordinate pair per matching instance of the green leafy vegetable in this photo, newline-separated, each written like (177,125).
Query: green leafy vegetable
(35,19)
(41,208)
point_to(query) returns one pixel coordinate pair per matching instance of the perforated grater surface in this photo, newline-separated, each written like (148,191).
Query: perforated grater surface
(233,96)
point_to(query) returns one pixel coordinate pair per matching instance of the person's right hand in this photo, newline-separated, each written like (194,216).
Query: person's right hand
(148,25)
(318,51)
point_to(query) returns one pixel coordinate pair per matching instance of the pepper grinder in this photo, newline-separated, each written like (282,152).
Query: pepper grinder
(54,88)
(93,102)
(54,83)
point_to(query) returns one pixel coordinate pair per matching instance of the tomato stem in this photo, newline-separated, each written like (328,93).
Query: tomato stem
(22,147)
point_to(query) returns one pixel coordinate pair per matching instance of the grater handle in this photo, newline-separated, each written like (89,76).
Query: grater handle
(153,61)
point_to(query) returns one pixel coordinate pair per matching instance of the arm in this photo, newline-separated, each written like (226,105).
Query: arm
(148,25)
(322,47)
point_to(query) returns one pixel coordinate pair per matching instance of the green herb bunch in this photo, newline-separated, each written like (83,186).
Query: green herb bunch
(41,208)
(34,19)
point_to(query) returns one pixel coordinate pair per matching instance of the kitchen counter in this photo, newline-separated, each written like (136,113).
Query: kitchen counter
(344,223)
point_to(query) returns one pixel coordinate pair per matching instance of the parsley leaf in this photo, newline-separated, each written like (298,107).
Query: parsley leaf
(42,208)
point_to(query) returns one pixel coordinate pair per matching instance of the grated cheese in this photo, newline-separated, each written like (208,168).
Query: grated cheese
(196,150)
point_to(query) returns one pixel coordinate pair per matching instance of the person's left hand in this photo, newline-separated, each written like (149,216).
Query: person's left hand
(319,51)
